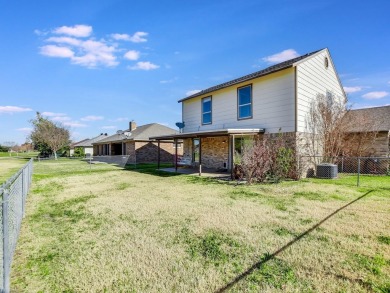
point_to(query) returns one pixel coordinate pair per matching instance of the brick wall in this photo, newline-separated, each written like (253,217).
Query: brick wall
(130,151)
(147,152)
(215,151)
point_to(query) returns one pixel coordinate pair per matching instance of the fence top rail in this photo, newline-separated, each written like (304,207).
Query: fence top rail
(6,184)
(376,158)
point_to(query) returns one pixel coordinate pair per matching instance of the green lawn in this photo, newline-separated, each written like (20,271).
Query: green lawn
(19,155)
(99,228)
(9,166)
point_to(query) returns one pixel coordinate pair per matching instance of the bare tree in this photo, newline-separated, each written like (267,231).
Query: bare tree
(335,131)
(327,126)
(55,135)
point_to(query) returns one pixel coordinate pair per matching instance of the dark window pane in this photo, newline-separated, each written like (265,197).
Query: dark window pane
(244,95)
(207,106)
(245,111)
(207,118)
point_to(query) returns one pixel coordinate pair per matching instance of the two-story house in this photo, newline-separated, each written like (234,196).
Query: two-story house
(277,98)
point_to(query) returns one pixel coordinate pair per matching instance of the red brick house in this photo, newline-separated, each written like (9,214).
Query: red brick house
(135,145)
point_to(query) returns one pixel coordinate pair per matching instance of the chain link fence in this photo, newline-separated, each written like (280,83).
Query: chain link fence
(339,167)
(13,193)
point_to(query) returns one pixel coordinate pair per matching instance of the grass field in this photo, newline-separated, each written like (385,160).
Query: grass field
(103,229)
(9,166)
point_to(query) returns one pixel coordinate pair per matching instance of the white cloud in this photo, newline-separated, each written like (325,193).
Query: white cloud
(121,37)
(74,124)
(75,43)
(95,53)
(375,95)
(92,118)
(353,89)
(61,118)
(90,53)
(144,66)
(109,127)
(25,129)
(79,30)
(192,92)
(138,37)
(56,51)
(168,80)
(132,55)
(120,119)
(51,114)
(13,109)
(65,40)
(39,32)
(282,56)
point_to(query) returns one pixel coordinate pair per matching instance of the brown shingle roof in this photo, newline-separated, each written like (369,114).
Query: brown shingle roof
(143,132)
(378,119)
(89,142)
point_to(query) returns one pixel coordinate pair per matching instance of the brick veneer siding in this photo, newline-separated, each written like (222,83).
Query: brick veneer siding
(187,148)
(215,152)
(130,151)
(147,152)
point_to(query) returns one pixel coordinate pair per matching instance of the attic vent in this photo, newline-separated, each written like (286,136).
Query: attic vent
(326,62)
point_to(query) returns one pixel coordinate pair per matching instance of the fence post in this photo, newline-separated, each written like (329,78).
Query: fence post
(23,190)
(358,177)
(6,256)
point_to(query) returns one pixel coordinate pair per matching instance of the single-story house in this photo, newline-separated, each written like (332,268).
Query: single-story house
(275,99)
(134,145)
(86,144)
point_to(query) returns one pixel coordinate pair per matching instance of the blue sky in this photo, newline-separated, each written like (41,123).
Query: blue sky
(96,65)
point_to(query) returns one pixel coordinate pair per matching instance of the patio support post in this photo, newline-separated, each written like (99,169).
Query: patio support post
(175,141)
(231,141)
(200,156)
(158,155)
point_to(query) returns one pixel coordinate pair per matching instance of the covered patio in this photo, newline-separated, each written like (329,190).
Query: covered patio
(208,151)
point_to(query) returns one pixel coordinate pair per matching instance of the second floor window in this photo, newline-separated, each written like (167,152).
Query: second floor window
(244,102)
(206,110)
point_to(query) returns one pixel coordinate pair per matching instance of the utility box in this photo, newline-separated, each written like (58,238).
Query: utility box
(327,171)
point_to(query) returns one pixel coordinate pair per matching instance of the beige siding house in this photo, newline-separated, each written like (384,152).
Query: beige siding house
(274,99)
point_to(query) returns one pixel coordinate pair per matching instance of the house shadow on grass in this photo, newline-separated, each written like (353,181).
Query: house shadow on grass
(269,257)
(151,169)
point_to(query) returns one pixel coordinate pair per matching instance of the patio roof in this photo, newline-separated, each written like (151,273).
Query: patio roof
(211,133)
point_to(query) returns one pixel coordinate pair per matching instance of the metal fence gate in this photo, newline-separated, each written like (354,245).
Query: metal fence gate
(13,194)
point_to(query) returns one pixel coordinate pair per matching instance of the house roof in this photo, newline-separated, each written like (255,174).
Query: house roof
(143,132)
(376,118)
(89,142)
(266,71)
(78,142)
(211,133)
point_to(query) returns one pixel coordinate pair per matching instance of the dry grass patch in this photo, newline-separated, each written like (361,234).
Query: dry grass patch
(104,229)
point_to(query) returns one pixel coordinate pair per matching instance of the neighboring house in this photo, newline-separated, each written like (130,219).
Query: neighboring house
(274,99)
(86,144)
(370,134)
(135,145)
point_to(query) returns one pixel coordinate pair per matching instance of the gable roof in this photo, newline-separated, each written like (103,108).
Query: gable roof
(378,117)
(89,142)
(263,72)
(143,132)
